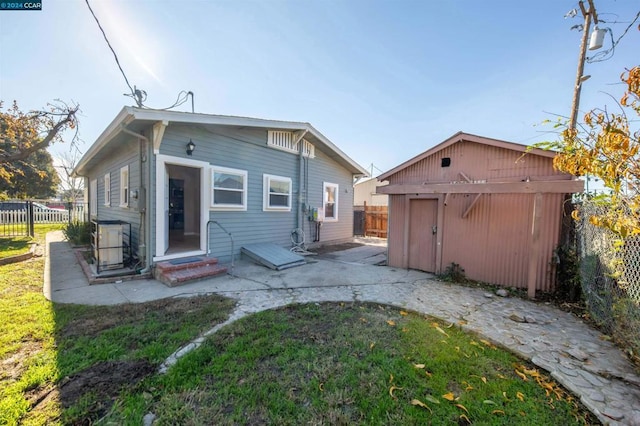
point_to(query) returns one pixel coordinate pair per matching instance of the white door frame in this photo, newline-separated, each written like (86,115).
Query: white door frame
(160,213)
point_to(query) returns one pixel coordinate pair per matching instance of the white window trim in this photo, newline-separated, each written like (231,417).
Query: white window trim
(93,197)
(227,207)
(326,185)
(107,189)
(266,184)
(124,186)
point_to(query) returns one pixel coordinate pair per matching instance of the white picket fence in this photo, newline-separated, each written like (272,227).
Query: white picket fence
(39,216)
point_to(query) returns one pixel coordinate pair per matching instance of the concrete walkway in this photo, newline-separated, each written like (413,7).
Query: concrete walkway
(576,355)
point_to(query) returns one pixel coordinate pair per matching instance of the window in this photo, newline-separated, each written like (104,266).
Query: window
(330,203)
(124,186)
(229,189)
(107,189)
(93,197)
(277,193)
(285,141)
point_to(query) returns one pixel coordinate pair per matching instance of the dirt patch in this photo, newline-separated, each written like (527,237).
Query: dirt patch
(100,320)
(104,380)
(330,248)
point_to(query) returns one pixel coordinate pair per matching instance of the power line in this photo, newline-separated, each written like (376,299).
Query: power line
(137,94)
(133,92)
(608,54)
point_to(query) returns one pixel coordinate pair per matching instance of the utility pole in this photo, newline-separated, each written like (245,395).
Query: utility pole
(588,14)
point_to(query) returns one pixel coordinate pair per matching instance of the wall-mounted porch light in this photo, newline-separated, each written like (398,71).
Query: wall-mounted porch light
(190,147)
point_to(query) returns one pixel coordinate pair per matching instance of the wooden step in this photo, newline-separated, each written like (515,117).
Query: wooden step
(172,273)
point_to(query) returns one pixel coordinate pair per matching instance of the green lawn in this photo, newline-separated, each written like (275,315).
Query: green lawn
(306,364)
(13,246)
(65,364)
(350,364)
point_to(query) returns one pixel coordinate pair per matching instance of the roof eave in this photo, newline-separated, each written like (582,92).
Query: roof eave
(124,117)
(130,114)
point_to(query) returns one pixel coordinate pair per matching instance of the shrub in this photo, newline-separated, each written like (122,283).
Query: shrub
(454,273)
(78,233)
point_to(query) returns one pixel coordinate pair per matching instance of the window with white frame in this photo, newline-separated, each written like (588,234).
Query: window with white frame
(93,197)
(277,193)
(124,186)
(330,203)
(228,188)
(107,189)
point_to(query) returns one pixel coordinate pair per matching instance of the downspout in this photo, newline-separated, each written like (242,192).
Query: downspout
(142,157)
(299,217)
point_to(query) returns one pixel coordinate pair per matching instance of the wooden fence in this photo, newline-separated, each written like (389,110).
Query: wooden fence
(372,221)
(39,216)
(19,222)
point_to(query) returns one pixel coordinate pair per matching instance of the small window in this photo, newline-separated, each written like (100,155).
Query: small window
(93,197)
(107,189)
(330,191)
(277,193)
(124,186)
(445,162)
(229,189)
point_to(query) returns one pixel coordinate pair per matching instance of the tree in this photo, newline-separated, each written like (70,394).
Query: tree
(608,148)
(71,188)
(34,178)
(24,134)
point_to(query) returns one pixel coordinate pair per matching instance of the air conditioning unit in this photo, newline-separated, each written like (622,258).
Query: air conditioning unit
(109,246)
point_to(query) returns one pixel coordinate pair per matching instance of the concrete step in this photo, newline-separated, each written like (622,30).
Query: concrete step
(175,274)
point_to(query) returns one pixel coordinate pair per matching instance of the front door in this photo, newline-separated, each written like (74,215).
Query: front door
(423,219)
(183,211)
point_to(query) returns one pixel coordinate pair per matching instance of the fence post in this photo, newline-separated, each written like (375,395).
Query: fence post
(69,209)
(29,218)
(364,226)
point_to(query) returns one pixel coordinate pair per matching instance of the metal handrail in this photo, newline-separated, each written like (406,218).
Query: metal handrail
(230,237)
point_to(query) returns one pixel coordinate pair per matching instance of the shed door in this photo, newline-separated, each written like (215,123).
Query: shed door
(423,219)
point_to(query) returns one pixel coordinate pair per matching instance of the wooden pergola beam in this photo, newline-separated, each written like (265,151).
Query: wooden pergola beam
(554,186)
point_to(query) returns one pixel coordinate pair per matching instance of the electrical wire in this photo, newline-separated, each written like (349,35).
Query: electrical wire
(608,54)
(138,95)
(183,96)
(133,93)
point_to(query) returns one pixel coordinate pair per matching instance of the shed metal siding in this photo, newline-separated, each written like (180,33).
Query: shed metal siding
(477,161)
(493,242)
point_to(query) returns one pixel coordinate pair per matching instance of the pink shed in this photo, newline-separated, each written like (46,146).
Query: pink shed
(488,205)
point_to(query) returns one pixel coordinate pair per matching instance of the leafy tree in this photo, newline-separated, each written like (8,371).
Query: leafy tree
(24,134)
(32,178)
(608,148)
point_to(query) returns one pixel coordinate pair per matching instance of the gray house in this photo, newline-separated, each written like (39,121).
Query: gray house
(168,175)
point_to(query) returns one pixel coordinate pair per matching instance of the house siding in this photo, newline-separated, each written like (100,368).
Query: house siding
(126,155)
(246,149)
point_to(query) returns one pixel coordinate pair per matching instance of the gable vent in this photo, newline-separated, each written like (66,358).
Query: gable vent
(284,141)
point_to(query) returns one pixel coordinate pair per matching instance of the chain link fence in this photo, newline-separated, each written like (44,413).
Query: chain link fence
(610,276)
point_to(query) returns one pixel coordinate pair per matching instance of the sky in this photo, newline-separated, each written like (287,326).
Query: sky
(383,80)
